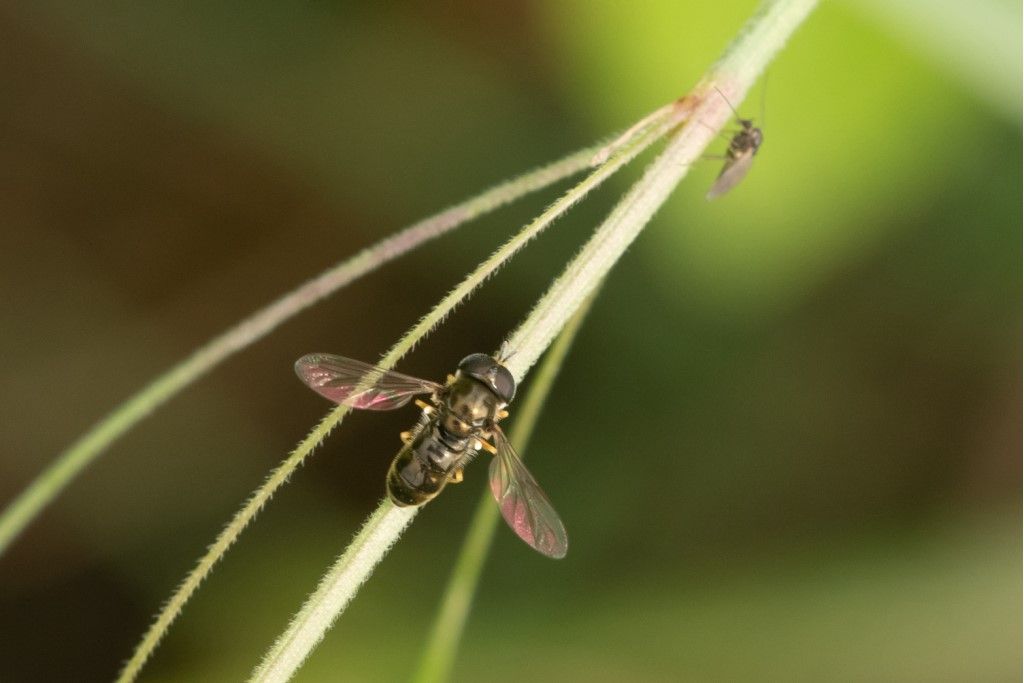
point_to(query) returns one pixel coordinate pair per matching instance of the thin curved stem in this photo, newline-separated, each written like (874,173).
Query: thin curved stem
(48,485)
(423,327)
(446,634)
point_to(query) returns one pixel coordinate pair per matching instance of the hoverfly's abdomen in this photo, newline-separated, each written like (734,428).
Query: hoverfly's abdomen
(412,481)
(421,468)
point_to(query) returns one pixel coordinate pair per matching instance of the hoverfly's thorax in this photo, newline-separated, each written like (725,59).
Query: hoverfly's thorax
(468,406)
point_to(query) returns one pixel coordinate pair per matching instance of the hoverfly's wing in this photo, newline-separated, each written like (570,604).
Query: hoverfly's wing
(732,173)
(523,504)
(359,385)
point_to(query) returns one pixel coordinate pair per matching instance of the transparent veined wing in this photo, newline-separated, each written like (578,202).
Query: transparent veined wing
(357,384)
(732,173)
(523,504)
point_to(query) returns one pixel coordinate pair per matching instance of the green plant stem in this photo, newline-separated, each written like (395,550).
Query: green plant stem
(337,588)
(45,488)
(423,327)
(324,606)
(706,113)
(446,634)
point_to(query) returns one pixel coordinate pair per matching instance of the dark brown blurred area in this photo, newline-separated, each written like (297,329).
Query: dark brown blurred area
(134,233)
(131,236)
(815,467)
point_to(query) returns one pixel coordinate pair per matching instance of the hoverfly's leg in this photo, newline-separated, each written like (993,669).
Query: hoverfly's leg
(501,415)
(456,476)
(426,407)
(486,445)
(406,437)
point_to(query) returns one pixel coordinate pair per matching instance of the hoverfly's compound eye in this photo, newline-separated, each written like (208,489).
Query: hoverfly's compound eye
(496,376)
(504,384)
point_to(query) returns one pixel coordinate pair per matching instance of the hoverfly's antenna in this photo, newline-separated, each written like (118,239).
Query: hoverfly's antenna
(504,352)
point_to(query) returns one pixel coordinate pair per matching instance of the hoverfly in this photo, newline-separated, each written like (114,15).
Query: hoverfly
(460,419)
(739,156)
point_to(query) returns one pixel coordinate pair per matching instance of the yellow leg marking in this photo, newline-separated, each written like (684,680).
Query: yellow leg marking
(424,405)
(456,476)
(487,447)
(502,415)
(406,437)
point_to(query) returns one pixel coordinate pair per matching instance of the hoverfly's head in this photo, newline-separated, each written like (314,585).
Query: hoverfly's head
(493,374)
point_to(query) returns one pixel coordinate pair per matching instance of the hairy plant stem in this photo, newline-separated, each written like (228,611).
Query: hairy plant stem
(762,37)
(336,589)
(446,634)
(706,112)
(423,327)
(20,512)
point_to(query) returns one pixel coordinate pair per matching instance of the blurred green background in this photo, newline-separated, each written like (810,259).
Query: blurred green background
(786,445)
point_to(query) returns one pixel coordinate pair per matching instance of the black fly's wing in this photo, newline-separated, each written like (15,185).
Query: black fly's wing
(732,173)
(523,504)
(357,384)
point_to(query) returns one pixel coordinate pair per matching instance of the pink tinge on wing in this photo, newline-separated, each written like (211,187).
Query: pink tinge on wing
(373,399)
(516,514)
(363,400)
